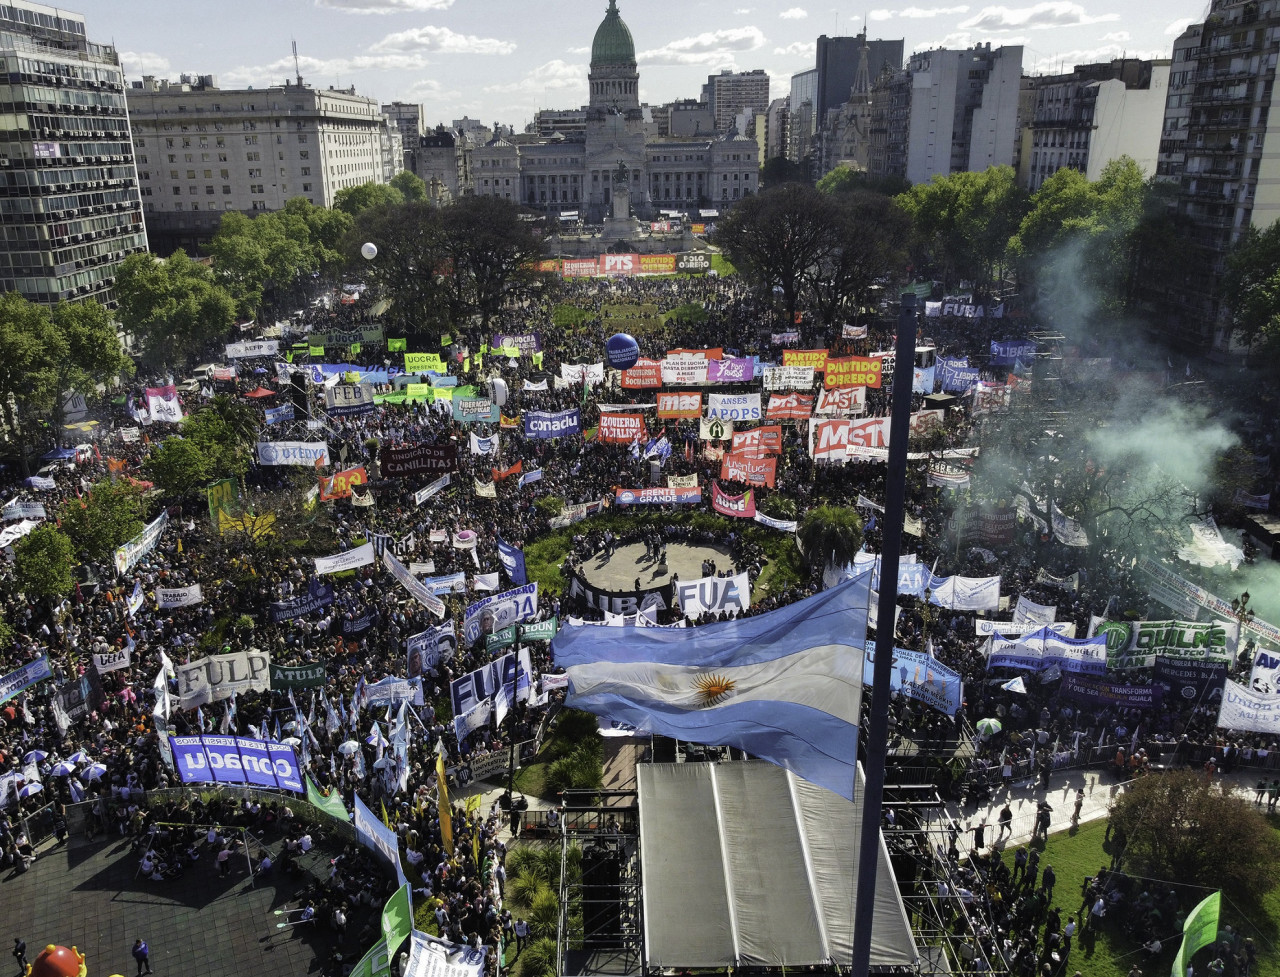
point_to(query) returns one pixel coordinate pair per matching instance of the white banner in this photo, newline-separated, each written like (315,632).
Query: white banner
(1256,712)
(262,347)
(361,556)
(110,661)
(734,407)
(167,597)
(222,676)
(714,595)
(293,453)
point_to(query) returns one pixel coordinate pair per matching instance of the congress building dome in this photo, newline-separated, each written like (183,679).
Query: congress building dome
(613,44)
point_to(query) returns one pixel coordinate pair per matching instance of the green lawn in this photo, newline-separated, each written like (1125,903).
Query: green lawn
(1077,853)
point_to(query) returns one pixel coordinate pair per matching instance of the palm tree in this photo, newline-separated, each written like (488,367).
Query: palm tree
(830,534)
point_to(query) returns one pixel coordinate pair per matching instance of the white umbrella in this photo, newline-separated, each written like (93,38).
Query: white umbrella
(79,757)
(35,756)
(349,747)
(26,790)
(291,741)
(63,768)
(94,771)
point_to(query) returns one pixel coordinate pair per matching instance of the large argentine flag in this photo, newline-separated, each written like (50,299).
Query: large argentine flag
(785,686)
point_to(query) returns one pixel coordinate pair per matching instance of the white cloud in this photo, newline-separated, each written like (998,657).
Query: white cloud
(794,13)
(1179,25)
(1118,36)
(918,13)
(556,75)
(384,6)
(798,49)
(139,63)
(711,48)
(442,40)
(1041,16)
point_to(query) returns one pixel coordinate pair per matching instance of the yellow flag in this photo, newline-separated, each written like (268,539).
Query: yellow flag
(446,824)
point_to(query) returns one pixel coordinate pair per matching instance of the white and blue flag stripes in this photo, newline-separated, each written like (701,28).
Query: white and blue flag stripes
(785,686)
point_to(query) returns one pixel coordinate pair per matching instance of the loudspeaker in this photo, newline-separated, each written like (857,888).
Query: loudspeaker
(601,898)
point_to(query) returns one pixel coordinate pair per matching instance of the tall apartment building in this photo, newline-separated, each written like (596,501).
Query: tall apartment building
(947,111)
(1095,114)
(70,210)
(406,117)
(731,92)
(838,62)
(1223,78)
(203,151)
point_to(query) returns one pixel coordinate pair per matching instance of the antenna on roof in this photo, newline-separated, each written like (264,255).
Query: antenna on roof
(297,72)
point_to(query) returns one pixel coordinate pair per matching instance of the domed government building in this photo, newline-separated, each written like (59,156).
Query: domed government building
(616,141)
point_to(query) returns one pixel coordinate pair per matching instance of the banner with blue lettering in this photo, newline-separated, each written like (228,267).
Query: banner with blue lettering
(919,676)
(512,561)
(1009,353)
(236,760)
(544,424)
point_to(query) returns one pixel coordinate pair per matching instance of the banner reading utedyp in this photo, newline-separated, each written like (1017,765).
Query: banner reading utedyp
(421,459)
(236,760)
(222,676)
(297,676)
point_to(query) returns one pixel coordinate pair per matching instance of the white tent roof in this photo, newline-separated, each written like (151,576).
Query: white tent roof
(746,865)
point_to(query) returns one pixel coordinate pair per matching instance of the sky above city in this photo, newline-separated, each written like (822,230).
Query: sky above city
(502,60)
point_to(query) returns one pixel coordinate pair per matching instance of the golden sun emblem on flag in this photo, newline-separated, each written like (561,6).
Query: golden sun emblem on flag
(713,689)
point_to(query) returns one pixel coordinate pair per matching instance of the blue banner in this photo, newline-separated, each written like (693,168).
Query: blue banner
(919,676)
(512,561)
(543,424)
(276,415)
(24,677)
(236,760)
(1008,353)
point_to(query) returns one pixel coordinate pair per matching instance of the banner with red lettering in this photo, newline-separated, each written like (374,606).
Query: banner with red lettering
(621,428)
(646,373)
(851,371)
(739,506)
(683,406)
(760,440)
(789,407)
(842,403)
(741,467)
(816,358)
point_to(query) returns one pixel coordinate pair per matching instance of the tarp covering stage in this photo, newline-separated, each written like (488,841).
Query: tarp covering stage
(745,865)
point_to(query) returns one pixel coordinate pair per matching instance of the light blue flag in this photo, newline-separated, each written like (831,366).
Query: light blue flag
(785,686)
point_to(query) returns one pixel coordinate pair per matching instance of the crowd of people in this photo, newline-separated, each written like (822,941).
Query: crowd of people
(112,741)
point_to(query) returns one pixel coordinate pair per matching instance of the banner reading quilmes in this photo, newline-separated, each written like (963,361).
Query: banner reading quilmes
(236,760)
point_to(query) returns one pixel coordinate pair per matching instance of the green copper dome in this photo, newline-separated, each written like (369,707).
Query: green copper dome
(613,44)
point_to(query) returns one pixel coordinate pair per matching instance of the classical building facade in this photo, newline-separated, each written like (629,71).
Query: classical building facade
(575,170)
(70,210)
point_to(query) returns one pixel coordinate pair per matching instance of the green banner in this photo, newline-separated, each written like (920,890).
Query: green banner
(500,639)
(397,918)
(330,803)
(539,631)
(1200,929)
(297,676)
(400,345)
(222,497)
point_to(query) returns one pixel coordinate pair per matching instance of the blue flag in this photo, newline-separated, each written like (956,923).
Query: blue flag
(785,686)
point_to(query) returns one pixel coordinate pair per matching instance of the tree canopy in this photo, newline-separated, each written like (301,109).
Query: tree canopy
(172,307)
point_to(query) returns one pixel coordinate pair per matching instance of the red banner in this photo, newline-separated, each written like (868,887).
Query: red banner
(338,486)
(679,405)
(500,473)
(816,358)
(740,506)
(760,440)
(735,467)
(852,371)
(646,373)
(789,407)
(621,428)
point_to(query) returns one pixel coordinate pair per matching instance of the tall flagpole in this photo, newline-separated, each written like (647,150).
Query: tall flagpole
(878,732)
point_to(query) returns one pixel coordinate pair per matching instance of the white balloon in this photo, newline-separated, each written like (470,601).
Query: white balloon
(369,250)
